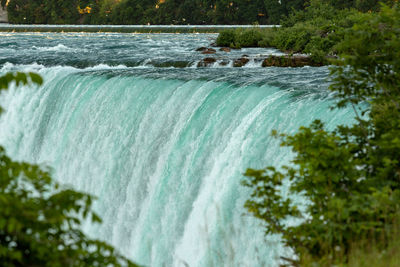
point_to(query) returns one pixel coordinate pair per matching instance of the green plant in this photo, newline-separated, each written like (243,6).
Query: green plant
(319,47)
(268,37)
(248,38)
(316,31)
(350,177)
(239,38)
(295,38)
(226,38)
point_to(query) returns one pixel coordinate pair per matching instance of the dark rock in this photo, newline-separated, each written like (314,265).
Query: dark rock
(206,62)
(290,61)
(225,49)
(175,64)
(224,62)
(209,51)
(201,49)
(240,62)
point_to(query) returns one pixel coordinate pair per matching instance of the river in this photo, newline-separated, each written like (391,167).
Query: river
(161,142)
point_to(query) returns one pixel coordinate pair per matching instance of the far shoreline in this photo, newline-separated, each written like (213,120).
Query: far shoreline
(126,28)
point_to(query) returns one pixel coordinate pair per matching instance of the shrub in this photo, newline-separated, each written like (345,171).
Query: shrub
(226,38)
(248,38)
(319,47)
(268,38)
(295,38)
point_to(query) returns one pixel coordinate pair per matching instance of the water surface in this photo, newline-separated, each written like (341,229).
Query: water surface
(163,143)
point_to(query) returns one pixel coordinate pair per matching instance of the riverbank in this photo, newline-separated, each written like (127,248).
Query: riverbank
(127,28)
(315,32)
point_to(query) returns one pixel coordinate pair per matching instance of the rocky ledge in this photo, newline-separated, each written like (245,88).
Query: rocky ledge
(267,61)
(206,62)
(290,61)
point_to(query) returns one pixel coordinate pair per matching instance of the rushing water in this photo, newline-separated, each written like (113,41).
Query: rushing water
(162,143)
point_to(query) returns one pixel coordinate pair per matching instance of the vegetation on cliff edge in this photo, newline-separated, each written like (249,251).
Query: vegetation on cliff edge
(350,177)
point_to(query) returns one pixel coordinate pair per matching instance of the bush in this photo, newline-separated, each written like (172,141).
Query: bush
(248,38)
(239,38)
(226,38)
(294,39)
(268,38)
(319,47)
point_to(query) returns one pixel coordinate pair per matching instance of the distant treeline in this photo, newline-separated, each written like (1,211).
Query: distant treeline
(177,12)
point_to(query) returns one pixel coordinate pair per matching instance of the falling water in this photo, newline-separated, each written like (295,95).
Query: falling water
(163,148)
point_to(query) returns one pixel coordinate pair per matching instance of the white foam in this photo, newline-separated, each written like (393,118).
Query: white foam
(59,48)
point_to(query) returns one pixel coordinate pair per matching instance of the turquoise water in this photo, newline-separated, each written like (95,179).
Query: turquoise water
(163,147)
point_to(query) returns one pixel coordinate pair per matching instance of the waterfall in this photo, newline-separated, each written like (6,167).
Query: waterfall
(165,156)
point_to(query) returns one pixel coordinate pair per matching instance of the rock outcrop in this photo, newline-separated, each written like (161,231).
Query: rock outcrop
(209,51)
(200,49)
(290,61)
(240,62)
(206,62)
(225,49)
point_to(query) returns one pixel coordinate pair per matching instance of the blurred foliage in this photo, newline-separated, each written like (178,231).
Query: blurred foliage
(40,222)
(349,177)
(19,78)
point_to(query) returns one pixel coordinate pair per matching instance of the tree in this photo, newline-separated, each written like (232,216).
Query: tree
(39,220)
(276,9)
(23,11)
(350,176)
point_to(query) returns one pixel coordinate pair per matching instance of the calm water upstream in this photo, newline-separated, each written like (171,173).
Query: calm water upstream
(131,119)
